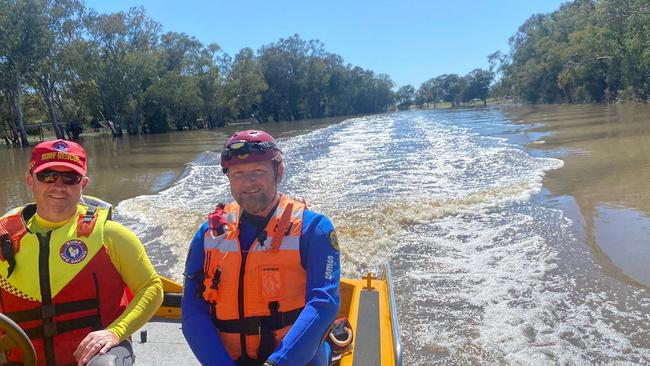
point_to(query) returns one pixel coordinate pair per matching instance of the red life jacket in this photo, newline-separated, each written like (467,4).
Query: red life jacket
(255,297)
(62,285)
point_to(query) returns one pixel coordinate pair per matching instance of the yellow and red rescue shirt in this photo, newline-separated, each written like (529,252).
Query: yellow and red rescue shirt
(59,285)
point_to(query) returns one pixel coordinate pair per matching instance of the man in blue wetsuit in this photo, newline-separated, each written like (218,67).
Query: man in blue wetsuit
(262,273)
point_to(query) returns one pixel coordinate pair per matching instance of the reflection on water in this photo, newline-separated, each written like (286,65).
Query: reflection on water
(624,236)
(606,152)
(118,168)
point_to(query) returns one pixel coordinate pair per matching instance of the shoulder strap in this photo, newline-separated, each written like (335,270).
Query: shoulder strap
(94,201)
(86,222)
(282,226)
(299,199)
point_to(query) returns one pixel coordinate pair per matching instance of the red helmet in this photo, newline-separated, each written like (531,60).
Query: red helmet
(249,146)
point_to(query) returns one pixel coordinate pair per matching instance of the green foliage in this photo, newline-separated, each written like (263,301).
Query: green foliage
(118,71)
(405,97)
(586,51)
(454,89)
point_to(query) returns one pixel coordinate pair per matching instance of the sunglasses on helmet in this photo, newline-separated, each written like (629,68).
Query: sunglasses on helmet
(239,148)
(51,176)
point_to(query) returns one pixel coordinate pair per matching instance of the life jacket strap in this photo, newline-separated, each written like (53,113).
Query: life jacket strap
(51,310)
(253,325)
(282,227)
(50,329)
(87,221)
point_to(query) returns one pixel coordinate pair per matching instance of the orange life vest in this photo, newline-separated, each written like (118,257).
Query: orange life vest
(58,286)
(256,296)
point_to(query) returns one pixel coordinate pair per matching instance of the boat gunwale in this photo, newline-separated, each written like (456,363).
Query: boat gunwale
(397,342)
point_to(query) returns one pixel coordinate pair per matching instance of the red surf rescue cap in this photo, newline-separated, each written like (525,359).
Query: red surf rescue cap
(54,153)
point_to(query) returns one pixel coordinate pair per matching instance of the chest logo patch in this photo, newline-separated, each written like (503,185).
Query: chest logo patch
(73,251)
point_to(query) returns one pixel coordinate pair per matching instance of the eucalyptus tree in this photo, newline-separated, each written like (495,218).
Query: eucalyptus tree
(337,101)
(209,83)
(7,117)
(282,65)
(52,73)
(405,97)
(586,51)
(382,96)
(429,92)
(121,61)
(246,84)
(316,80)
(477,85)
(173,98)
(24,41)
(451,89)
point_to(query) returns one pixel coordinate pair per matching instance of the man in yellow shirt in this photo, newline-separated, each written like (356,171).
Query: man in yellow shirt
(76,282)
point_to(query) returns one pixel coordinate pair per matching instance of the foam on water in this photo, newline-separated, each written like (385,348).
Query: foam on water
(484,274)
(166,221)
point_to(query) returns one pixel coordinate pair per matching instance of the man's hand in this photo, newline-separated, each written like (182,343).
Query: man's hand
(98,342)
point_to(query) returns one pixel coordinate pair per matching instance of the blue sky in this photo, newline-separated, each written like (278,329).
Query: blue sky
(411,41)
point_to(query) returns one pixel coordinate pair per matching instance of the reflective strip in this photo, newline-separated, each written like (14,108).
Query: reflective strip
(290,243)
(231,217)
(221,244)
(267,242)
(12,212)
(296,215)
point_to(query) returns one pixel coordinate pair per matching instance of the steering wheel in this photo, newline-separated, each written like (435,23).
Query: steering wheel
(13,337)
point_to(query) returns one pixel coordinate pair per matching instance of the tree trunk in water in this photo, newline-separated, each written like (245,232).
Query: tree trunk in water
(58,129)
(117,131)
(18,111)
(117,126)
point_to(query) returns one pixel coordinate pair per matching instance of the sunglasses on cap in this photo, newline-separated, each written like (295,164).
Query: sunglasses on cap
(51,176)
(238,148)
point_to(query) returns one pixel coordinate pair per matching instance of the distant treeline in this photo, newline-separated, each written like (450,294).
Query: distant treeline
(586,51)
(450,88)
(68,65)
(75,68)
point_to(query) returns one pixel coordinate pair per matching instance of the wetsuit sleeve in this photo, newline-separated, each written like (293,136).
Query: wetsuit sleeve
(132,263)
(198,328)
(321,261)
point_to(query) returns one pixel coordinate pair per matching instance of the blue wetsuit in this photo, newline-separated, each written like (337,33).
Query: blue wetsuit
(302,344)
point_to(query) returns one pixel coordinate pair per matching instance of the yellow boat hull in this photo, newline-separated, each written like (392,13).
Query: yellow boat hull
(367,303)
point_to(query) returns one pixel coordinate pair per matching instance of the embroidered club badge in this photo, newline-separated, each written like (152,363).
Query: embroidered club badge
(73,251)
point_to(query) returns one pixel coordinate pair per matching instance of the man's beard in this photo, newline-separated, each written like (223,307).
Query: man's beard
(255,203)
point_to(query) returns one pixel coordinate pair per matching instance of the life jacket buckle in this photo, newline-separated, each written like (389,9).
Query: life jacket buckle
(215,279)
(48,311)
(49,329)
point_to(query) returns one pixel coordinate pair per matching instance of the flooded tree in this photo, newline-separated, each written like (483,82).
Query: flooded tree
(119,72)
